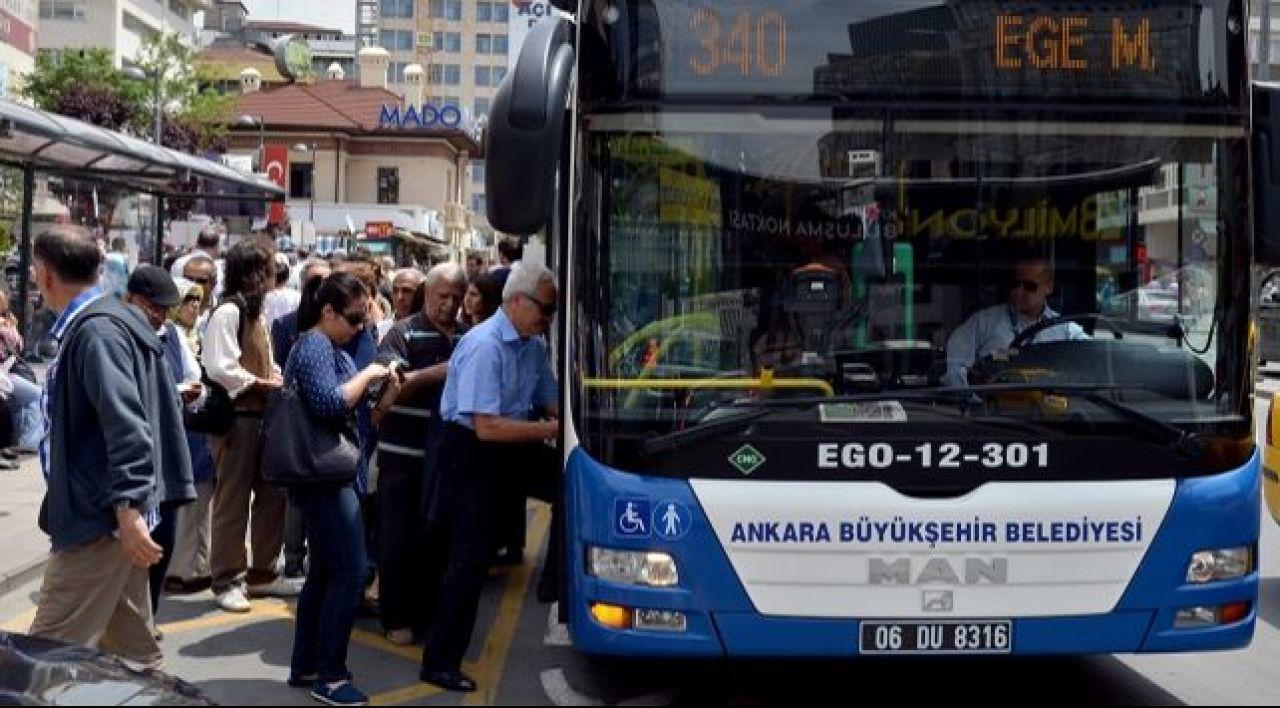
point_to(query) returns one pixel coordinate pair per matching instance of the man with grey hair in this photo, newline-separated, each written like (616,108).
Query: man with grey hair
(410,435)
(500,405)
(404,290)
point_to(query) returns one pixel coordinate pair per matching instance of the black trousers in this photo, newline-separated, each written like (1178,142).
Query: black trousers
(165,536)
(474,475)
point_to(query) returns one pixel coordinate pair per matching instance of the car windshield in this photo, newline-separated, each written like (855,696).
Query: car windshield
(821,252)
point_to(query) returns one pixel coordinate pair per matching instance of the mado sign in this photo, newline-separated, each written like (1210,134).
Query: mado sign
(424,116)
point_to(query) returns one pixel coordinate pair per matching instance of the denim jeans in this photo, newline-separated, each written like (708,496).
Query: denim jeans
(335,582)
(28,422)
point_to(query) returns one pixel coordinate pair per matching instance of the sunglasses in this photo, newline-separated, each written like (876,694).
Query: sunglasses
(192,300)
(1031,287)
(548,309)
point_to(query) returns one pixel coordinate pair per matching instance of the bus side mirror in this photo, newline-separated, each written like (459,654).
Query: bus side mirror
(1266,174)
(526,130)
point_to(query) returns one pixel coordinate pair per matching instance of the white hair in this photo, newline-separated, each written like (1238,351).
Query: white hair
(525,278)
(414,273)
(451,272)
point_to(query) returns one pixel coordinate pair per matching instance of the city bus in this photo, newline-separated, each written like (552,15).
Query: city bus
(770,218)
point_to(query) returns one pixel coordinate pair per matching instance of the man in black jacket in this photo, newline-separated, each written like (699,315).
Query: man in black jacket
(115,451)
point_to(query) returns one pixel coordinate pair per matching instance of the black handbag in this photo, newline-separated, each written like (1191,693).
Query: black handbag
(299,451)
(216,414)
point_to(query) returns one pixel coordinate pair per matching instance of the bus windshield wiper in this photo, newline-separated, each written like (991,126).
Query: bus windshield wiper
(1183,442)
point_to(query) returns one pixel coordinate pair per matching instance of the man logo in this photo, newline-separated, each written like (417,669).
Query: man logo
(939,601)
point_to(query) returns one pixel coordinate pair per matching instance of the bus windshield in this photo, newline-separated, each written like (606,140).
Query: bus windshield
(915,278)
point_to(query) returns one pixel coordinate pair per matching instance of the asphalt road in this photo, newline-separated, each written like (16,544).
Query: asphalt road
(519,657)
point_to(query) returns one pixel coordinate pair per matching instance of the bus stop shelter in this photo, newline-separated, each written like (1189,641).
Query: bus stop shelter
(39,142)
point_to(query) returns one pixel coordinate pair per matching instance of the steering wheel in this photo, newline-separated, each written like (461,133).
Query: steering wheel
(1030,333)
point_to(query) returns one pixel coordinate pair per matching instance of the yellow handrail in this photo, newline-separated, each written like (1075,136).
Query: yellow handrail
(767,381)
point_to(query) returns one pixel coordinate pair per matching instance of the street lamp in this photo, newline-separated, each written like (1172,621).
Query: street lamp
(255,121)
(310,148)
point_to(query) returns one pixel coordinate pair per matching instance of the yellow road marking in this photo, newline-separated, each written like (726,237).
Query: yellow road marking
(269,610)
(493,657)
(406,694)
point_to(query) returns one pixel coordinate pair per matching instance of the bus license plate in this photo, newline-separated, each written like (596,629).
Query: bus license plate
(936,637)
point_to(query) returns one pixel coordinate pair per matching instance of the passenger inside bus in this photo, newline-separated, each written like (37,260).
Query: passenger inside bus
(992,330)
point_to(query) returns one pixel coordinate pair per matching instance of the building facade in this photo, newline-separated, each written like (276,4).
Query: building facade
(330,144)
(19,21)
(464,47)
(121,26)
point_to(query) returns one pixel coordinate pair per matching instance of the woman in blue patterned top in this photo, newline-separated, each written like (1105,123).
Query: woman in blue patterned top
(333,311)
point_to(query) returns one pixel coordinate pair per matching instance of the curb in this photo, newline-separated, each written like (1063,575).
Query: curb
(23,575)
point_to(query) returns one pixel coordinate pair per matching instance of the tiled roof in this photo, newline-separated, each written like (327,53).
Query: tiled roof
(226,63)
(324,104)
(277,26)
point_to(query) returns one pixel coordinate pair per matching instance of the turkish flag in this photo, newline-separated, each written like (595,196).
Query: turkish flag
(275,160)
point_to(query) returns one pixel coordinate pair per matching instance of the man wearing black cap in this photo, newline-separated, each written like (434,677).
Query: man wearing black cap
(115,454)
(152,291)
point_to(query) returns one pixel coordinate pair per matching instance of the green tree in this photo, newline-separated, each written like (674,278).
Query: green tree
(84,85)
(199,116)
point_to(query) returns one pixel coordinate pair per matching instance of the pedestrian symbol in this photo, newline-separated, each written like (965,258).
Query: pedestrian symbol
(671,520)
(631,517)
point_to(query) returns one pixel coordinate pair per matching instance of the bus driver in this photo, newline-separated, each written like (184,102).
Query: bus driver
(992,330)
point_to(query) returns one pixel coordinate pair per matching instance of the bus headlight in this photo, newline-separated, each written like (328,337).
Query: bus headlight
(1222,564)
(652,569)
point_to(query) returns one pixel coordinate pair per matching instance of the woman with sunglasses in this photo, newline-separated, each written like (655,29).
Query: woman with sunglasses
(333,311)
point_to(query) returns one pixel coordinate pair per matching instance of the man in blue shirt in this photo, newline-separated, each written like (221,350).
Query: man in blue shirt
(498,378)
(992,330)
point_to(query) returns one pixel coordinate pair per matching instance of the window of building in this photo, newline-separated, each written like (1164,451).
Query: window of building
(500,44)
(477,172)
(452,75)
(482,107)
(301,180)
(388,185)
(435,74)
(484,44)
(499,73)
(396,40)
(448,42)
(479,205)
(180,9)
(396,73)
(63,10)
(484,12)
(453,10)
(484,75)
(501,12)
(450,102)
(396,9)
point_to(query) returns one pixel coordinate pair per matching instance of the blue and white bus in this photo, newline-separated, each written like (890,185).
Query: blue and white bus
(771,217)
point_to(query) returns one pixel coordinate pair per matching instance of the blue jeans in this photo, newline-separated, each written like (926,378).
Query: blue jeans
(28,421)
(335,584)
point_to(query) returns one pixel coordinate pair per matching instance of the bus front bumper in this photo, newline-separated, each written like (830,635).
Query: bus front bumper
(720,620)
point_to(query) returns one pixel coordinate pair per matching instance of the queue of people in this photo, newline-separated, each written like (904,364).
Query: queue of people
(438,381)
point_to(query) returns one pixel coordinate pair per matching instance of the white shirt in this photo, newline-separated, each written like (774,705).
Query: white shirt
(279,303)
(992,330)
(222,352)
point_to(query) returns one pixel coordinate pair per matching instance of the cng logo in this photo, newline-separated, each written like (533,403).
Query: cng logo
(747,459)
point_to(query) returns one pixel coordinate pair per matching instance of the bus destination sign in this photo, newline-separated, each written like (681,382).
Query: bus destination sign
(969,48)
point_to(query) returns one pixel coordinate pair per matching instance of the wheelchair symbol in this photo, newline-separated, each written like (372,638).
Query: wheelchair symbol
(631,517)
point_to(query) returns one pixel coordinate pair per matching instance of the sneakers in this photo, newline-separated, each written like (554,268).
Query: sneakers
(280,587)
(233,600)
(400,637)
(342,694)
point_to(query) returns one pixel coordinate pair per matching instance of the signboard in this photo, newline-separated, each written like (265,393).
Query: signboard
(424,116)
(17,24)
(378,229)
(293,58)
(276,159)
